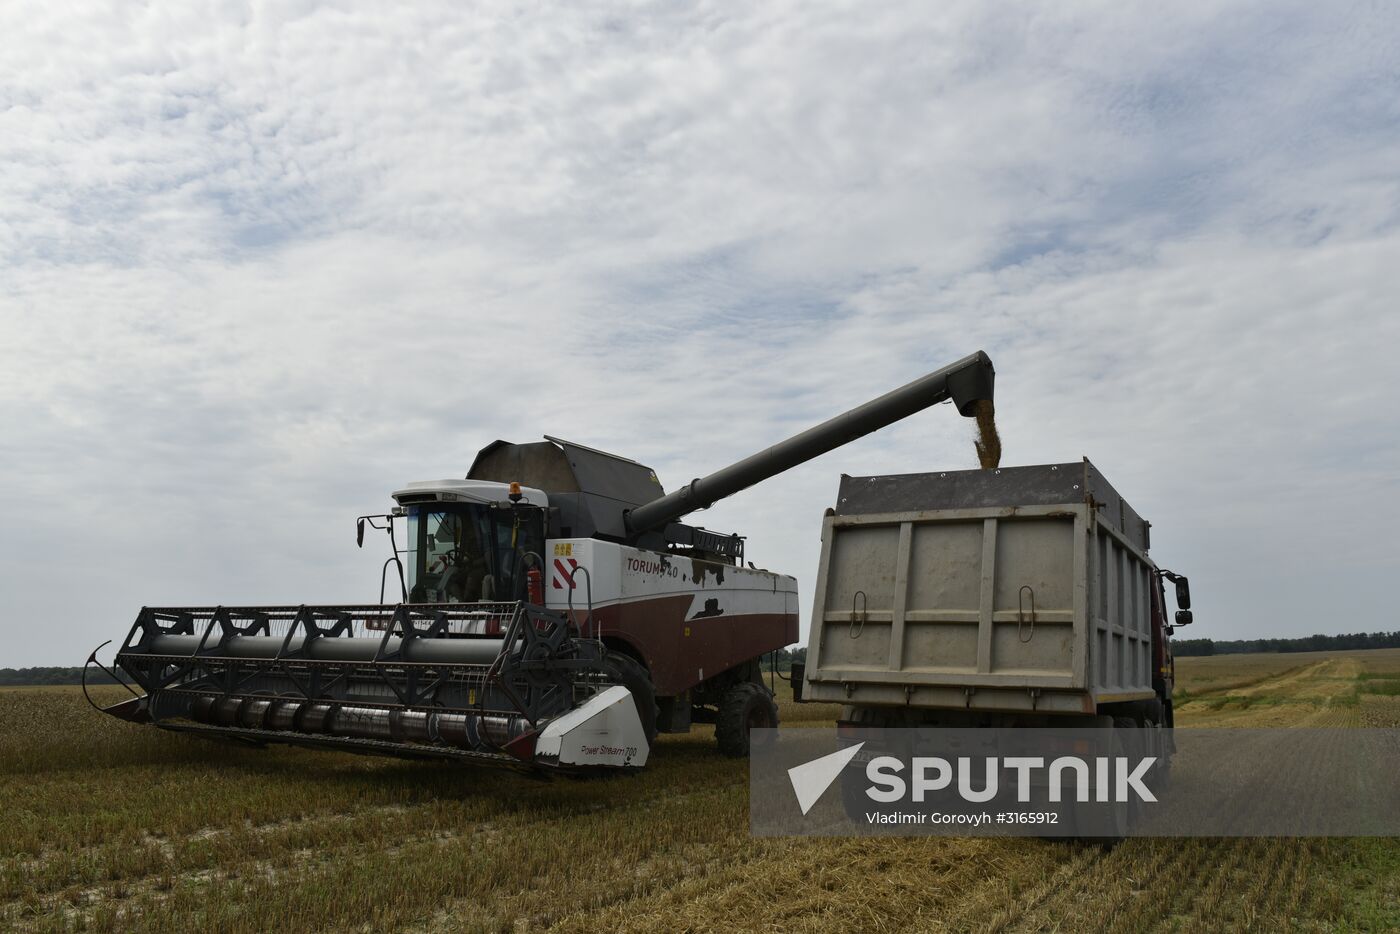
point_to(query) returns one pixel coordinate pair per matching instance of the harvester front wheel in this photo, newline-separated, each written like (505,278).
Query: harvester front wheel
(632,675)
(745,706)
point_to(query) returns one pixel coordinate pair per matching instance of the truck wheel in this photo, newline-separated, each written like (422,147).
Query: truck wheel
(1103,824)
(1132,809)
(631,674)
(1163,775)
(745,706)
(854,800)
(1162,772)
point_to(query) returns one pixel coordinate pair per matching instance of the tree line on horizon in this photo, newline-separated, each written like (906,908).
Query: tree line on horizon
(52,675)
(785,657)
(1351,641)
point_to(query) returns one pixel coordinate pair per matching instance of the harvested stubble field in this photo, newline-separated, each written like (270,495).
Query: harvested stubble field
(113,827)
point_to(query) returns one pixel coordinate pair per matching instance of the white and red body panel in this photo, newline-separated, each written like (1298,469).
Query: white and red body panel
(687,620)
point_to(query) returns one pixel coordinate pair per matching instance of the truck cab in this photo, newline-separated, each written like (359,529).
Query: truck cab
(1163,662)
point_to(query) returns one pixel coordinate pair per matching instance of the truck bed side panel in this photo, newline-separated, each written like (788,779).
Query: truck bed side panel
(1005,607)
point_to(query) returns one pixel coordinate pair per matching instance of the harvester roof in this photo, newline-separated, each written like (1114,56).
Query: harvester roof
(471,491)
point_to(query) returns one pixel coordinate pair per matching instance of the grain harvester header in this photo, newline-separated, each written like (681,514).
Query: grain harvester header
(556,613)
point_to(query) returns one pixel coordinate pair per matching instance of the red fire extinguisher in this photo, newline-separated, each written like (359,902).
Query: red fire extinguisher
(534,586)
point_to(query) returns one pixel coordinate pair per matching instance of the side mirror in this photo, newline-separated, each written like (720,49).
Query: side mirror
(1183,593)
(359,533)
(1183,618)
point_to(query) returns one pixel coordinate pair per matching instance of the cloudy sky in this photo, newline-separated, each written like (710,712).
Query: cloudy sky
(262,264)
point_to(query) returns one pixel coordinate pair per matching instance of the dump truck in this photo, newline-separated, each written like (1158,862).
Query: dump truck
(555,614)
(1017,596)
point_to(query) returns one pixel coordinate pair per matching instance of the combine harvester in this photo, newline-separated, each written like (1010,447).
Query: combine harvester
(555,616)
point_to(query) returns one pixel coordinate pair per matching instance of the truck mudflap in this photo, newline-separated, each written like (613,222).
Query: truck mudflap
(413,681)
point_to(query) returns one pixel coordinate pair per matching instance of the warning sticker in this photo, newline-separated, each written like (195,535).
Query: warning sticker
(563,576)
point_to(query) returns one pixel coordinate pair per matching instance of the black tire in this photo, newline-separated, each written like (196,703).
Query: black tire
(1105,828)
(1162,774)
(744,707)
(854,800)
(1103,824)
(632,675)
(1132,809)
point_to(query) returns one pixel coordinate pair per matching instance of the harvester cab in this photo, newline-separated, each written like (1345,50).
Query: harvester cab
(468,541)
(556,615)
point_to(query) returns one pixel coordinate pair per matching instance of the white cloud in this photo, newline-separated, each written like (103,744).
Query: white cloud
(259,265)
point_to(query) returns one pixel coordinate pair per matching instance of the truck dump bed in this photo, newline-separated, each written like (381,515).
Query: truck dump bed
(1019,589)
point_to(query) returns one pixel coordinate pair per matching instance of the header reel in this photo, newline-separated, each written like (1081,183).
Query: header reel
(477,681)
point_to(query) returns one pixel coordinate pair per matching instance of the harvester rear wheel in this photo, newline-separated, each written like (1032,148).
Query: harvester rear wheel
(745,706)
(632,675)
